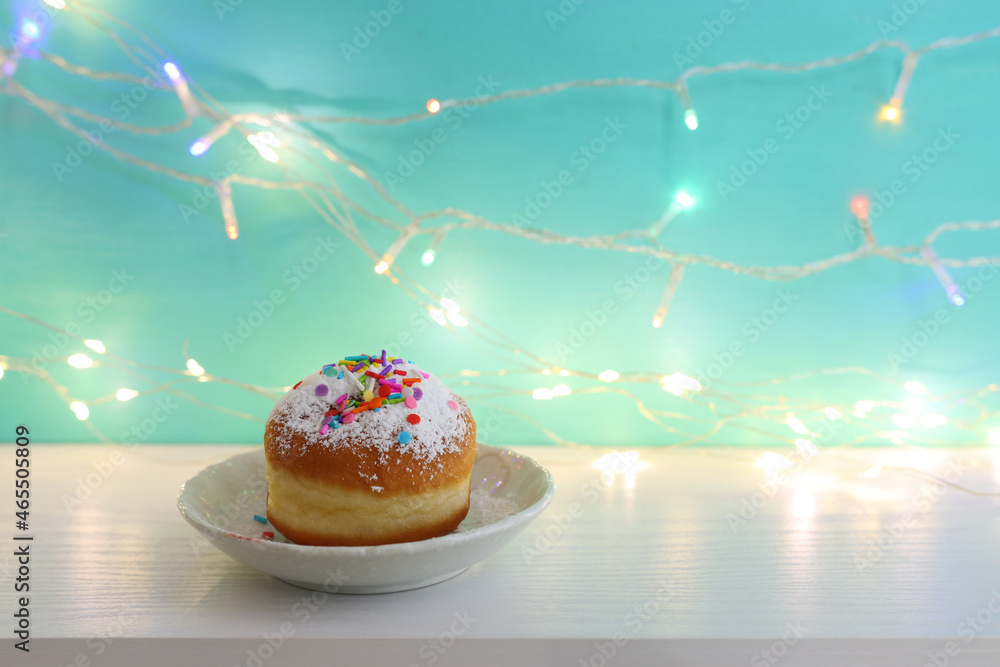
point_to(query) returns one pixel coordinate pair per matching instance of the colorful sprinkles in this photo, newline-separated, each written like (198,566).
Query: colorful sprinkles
(257,517)
(377,382)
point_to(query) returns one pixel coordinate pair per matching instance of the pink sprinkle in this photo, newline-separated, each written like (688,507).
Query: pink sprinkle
(342,398)
(410,402)
(326,427)
(426,375)
(348,418)
(451,404)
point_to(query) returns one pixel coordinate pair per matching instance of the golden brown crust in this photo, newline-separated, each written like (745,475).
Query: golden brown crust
(318,539)
(356,465)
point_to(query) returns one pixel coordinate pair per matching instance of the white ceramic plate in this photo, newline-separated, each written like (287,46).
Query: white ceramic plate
(508,491)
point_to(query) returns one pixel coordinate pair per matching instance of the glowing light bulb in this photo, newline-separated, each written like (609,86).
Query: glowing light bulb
(1,371)
(542,394)
(198,147)
(915,387)
(433,106)
(859,206)
(608,376)
(450,305)
(437,315)
(172,72)
(81,410)
(657,321)
(864,406)
(561,390)
(796,424)
(684,200)
(955,295)
(383,265)
(58,4)
(30,29)
(678,384)
(994,437)
(933,420)
(194,367)
(80,361)
(890,113)
(456,319)
(95,345)
(428,257)
(263,141)
(691,119)
(873,472)
(564,373)
(832,413)
(125,394)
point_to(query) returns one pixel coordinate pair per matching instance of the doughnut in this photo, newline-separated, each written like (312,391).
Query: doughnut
(370,450)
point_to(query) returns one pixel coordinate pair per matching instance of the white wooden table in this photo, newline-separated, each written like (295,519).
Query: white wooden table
(835,568)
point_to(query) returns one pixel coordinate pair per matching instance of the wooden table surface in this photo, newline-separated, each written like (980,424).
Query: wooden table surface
(693,559)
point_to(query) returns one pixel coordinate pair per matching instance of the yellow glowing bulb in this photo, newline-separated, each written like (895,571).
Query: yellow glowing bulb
(1,371)
(81,410)
(890,113)
(95,345)
(864,406)
(381,267)
(125,394)
(561,390)
(832,413)
(657,321)
(450,305)
(194,367)
(542,394)
(58,4)
(80,361)
(433,105)
(233,232)
(915,387)
(546,371)
(608,376)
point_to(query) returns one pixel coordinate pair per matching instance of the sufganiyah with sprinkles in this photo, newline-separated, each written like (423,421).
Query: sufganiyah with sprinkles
(368,450)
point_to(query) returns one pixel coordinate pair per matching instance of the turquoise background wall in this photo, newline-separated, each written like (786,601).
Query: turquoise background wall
(64,240)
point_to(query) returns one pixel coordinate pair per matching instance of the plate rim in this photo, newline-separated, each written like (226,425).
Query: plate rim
(375,549)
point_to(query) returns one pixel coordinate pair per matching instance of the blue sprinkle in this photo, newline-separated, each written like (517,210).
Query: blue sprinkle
(259,518)
(404,437)
(340,375)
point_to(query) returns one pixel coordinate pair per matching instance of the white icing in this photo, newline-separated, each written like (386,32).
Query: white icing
(439,429)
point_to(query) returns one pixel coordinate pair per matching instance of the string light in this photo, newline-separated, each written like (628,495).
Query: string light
(195,368)
(80,409)
(915,387)
(796,424)
(690,117)
(56,4)
(676,272)
(608,376)
(79,361)
(832,413)
(451,219)
(891,112)
(1,370)
(265,143)
(679,384)
(428,257)
(30,30)
(542,394)
(228,211)
(125,394)
(95,345)
(952,290)
(561,390)
(873,473)
(390,255)
(433,106)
